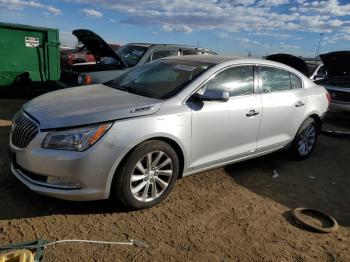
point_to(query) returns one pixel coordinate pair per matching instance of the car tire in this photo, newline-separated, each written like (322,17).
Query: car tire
(305,140)
(146,176)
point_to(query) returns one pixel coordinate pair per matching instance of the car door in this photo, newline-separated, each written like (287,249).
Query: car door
(222,131)
(283,100)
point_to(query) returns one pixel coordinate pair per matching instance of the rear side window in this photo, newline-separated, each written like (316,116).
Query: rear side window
(275,79)
(236,80)
(191,52)
(321,70)
(295,81)
(163,53)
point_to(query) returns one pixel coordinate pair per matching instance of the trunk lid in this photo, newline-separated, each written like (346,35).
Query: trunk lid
(96,45)
(292,61)
(337,64)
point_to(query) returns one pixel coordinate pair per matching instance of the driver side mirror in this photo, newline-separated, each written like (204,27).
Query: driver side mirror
(213,95)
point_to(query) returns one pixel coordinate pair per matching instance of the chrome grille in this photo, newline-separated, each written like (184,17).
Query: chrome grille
(23,131)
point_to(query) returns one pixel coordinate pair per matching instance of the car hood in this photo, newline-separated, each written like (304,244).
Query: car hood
(96,45)
(87,105)
(337,64)
(290,60)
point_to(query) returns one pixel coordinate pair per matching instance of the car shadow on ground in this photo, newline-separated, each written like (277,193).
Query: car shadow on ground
(321,182)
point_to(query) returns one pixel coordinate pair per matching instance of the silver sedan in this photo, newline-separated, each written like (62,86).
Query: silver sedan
(131,139)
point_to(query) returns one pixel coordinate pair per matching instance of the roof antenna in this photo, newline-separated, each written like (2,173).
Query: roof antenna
(197,44)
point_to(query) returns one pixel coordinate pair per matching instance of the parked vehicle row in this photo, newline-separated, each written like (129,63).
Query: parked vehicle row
(130,139)
(112,63)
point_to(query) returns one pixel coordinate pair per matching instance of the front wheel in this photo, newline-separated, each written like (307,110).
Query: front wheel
(147,176)
(305,140)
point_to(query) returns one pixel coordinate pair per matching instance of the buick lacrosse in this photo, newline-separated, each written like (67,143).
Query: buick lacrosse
(130,139)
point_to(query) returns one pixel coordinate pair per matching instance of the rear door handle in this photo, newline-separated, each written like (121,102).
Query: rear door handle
(299,104)
(252,113)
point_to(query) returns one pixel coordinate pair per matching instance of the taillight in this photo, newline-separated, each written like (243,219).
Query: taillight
(88,80)
(329,97)
(84,80)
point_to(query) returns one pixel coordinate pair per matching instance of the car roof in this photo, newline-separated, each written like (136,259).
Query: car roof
(219,59)
(213,59)
(169,45)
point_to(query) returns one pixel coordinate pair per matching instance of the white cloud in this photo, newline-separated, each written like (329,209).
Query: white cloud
(273,2)
(230,15)
(91,13)
(222,35)
(19,4)
(177,28)
(326,7)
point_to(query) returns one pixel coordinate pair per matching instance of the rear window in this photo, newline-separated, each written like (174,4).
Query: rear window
(131,54)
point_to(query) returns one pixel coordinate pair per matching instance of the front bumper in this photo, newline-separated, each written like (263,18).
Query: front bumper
(92,169)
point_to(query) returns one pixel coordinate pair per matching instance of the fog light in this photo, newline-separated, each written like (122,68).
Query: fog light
(64,182)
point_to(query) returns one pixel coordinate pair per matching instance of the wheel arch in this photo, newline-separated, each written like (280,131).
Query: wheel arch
(317,119)
(171,141)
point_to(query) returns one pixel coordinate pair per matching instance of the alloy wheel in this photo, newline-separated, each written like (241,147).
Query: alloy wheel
(151,176)
(307,140)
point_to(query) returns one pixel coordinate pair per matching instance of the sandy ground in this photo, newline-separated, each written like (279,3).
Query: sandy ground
(236,213)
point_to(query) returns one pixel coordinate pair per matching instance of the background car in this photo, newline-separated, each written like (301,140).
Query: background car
(111,63)
(337,80)
(131,138)
(311,67)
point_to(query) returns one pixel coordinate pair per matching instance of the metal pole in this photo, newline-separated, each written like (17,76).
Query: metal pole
(319,44)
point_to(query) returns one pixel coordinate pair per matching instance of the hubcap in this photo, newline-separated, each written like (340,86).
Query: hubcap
(151,176)
(307,140)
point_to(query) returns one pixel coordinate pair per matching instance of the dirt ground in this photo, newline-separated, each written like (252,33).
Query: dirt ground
(236,213)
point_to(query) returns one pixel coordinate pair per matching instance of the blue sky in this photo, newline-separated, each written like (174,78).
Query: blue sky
(226,26)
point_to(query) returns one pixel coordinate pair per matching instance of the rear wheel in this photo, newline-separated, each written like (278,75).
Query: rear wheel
(147,176)
(305,140)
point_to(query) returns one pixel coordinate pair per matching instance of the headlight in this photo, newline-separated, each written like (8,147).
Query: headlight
(77,139)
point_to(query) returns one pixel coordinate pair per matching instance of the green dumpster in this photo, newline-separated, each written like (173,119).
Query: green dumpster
(28,54)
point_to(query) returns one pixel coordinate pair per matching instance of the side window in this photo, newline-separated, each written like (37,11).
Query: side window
(191,52)
(163,53)
(321,71)
(295,81)
(236,80)
(274,79)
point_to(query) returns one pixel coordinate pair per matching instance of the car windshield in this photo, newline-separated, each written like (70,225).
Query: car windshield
(131,54)
(160,79)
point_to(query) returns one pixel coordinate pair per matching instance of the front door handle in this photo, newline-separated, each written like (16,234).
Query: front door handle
(299,104)
(252,113)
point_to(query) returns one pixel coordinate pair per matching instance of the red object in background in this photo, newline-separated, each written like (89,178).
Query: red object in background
(81,55)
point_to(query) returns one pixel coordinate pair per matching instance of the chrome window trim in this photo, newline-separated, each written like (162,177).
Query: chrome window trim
(219,71)
(280,68)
